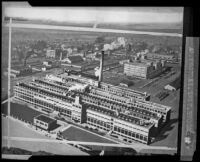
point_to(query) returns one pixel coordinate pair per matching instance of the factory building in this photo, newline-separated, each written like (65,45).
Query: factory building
(144,69)
(101,106)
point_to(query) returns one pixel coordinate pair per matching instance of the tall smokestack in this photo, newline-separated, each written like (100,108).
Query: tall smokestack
(101,66)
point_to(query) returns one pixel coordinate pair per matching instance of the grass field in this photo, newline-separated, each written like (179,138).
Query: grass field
(76,134)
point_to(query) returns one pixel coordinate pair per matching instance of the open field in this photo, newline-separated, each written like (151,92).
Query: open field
(19,130)
(76,134)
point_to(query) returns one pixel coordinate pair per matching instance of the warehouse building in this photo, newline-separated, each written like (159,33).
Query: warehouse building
(175,85)
(73,59)
(144,69)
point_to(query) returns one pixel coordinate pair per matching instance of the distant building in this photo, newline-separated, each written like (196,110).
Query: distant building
(124,61)
(73,59)
(51,54)
(175,85)
(45,122)
(119,53)
(47,63)
(144,69)
(160,56)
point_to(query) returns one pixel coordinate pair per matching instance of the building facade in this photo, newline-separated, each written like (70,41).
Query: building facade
(44,122)
(144,69)
(100,106)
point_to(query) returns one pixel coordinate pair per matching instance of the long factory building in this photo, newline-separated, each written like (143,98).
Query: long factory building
(127,114)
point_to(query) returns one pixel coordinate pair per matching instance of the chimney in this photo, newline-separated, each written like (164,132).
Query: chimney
(60,56)
(101,66)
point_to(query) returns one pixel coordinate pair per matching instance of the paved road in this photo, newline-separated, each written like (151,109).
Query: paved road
(137,147)
(73,28)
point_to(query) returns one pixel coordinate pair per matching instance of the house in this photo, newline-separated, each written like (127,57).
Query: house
(73,59)
(175,85)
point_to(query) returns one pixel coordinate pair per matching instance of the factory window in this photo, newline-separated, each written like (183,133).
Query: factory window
(125,132)
(145,138)
(137,135)
(115,129)
(141,137)
(122,130)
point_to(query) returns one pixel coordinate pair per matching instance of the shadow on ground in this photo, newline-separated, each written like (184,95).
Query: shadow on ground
(165,131)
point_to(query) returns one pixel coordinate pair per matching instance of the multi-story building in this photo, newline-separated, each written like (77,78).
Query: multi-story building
(144,69)
(101,106)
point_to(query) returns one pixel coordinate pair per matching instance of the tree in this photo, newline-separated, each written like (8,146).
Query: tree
(100,40)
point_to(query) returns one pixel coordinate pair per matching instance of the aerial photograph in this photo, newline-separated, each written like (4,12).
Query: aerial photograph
(84,81)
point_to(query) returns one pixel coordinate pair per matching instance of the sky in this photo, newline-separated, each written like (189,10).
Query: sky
(96,14)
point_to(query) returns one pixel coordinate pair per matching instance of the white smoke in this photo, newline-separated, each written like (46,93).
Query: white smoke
(78,87)
(97,73)
(121,41)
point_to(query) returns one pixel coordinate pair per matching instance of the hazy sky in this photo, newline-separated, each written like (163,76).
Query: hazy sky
(95,14)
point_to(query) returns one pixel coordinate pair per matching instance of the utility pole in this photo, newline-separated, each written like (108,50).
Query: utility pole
(9,69)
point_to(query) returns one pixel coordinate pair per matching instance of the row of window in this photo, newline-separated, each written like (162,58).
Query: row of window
(130,133)
(98,126)
(41,123)
(120,94)
(131,127)
(44,104)
(98,122)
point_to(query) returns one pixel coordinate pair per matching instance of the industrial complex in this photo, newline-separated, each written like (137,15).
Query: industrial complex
(112,109)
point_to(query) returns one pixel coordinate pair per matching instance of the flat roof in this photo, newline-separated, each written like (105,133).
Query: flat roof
(142,64)
(45,118)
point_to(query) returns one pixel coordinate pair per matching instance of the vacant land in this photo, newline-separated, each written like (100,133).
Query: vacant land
(76,134)
(17,129)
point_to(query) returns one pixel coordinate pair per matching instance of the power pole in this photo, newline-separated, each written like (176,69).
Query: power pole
(9,69)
